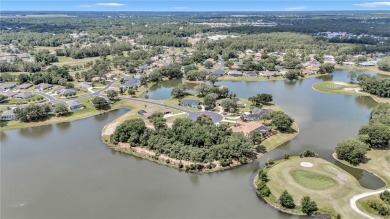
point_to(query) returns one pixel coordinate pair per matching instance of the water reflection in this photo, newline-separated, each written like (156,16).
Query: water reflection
(36,132)
(366,102)
(194,178)
(63,126)
(101,117)
(3,136)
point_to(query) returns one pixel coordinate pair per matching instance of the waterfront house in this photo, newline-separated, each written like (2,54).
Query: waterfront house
(367,64)
(235,73)
(190,103)
(247,127)
(8,115)
(250,74)
(74,105)
(256,114)
(131,82)
(218,72)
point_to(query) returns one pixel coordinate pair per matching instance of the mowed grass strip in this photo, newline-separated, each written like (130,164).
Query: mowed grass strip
(312,180)
(322,183)
(337,87)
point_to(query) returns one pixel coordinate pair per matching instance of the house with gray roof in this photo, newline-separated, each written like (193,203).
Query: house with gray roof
(74,105)
(8,115)
(256,114)
(218,72)
(131,82)
(84,84)
(190,103)
(6,87)
(24,86)
(250,74)
(10,93)
(57,89)
(64,92)
(264,130)
(23,95)
(43,86)
(235,73)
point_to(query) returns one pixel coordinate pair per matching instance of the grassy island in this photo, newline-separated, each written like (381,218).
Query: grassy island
(327,185)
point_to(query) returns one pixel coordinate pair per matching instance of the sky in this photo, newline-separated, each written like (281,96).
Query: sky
(192,5)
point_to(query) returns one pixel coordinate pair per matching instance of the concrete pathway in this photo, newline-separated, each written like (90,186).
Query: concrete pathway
(354,199)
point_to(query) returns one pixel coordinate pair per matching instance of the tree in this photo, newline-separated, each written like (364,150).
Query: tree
(286,200)
(179,91)
(100,103)
(292,75)
(352,76)
(260,99)
(255,136)
(129,131)
(2,98)
(131,91)
(77,76)
(61,109)
(112,95)
(229,105)
(377,135)
(122,90)
(208,64)
(326,68)
(384,64)
(353,150)
(209,100)
(281,121)
(212,79)
(32,113)
(308,206)
(385,196)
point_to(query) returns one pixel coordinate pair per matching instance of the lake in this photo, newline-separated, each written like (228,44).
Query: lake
(66,171)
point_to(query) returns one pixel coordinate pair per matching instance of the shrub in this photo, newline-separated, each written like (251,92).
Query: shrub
(308,153)
(385,196)
(286,200)
(286,156)
(308,206)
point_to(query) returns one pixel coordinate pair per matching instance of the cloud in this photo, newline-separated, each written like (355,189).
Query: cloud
(109,4)
(85,6)
(300,8)
(374,4)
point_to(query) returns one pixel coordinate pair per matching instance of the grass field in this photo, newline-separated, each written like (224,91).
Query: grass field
(337,87)
(363,204)
(328,185)
(63,60)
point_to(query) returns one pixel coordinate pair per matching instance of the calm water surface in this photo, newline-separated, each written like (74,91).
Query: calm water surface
(66,171)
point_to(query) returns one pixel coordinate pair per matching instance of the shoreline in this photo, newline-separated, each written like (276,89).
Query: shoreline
(356,93)
(357,68)
(163,158)
(360,168)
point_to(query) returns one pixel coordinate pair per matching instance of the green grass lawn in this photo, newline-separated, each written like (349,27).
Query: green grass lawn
(11,100)
(337,87)
(63,60)
(322,183)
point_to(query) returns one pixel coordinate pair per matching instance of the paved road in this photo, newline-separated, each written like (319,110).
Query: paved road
(50,98)
(104,88)
(353,200)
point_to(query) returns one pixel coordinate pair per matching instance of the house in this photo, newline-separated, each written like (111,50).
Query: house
(235,73)
(57,89)
(237,100)
(131,82)
(190,103)
(248,51)
(218,72)
(248,127)
(24,86)
(328,58)
(143,68)
(23,95)
(65,92)
(235,67)
(43,86)
(74,105)
(256,114)
(366,64)
(258,55)
(270,73)
(8,115)
(348,63)
(6,87)
(85,85)
(9,93)
(147,113)
(250,74)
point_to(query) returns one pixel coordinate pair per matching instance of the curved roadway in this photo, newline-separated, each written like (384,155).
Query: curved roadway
(354,199)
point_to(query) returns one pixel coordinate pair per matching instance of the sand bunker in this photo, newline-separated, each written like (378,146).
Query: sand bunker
(306,164)
(342,176)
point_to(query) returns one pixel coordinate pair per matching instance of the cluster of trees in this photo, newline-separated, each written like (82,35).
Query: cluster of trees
(326,68)
(196,75)
(100,103)
(374,85)
(32,113)
(375,135)
(384,64)
(79,52)
(165,40)
(45,57)
(308,206)
(280,120)
(52,75)
(261,99)
(198,141)
(379,206)
(170,71)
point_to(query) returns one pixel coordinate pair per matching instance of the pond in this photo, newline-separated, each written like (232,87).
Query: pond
(66,171)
